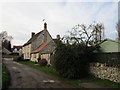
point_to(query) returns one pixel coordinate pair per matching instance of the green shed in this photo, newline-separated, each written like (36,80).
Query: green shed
(110,46)
(110,52)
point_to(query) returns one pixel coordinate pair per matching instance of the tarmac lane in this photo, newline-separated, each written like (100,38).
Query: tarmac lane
(23,76)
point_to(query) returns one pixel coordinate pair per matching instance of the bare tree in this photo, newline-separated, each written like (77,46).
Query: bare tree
(88,35)
(4,36)
(5,40)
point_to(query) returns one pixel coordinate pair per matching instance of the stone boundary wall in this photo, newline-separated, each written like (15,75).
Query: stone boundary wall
(105,72)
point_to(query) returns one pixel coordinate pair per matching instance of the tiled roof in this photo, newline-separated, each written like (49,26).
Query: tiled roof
(33,38)
(17,47)
(41,47)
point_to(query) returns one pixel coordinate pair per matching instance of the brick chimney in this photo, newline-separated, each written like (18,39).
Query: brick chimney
(32,34)
(58,36)
(45,26)
(45,32)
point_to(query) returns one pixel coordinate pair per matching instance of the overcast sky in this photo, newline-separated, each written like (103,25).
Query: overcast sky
(19,19)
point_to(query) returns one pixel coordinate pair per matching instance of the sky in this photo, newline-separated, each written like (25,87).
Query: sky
(19,19)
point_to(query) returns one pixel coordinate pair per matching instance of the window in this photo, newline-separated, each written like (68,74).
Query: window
(20,49)
(15,49)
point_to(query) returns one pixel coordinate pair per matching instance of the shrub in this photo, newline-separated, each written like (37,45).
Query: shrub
(18,58)
(70,61)
(35,62)
(25,60)
(43,62)
(48,65)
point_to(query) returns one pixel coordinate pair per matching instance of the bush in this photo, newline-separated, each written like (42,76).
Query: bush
(70,61)
(43,62)
(18,58)
(35,62)
(48,65)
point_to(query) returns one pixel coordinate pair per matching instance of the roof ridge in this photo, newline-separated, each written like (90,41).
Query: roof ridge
(111,40)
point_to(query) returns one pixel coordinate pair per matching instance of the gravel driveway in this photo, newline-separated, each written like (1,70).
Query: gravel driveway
(23,76)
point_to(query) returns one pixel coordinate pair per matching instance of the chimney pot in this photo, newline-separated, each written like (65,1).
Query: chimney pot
(58,36)
(33,33)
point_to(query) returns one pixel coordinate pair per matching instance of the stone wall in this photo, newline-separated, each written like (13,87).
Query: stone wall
(105,72)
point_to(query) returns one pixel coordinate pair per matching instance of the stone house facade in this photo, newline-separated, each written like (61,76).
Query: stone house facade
(26,50)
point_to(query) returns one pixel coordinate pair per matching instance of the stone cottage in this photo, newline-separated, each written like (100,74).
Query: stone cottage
(44,51)
(40,45)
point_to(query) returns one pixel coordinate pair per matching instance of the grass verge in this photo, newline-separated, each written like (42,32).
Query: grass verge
(5,77)
(73,82)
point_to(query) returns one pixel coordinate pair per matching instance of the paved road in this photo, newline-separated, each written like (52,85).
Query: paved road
(26,77)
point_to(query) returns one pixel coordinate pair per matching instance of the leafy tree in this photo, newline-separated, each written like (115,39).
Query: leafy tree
(70,60)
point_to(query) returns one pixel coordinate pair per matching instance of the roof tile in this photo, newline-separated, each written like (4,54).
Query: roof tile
(41,47)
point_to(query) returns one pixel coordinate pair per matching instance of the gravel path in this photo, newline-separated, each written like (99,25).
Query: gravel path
(23,76)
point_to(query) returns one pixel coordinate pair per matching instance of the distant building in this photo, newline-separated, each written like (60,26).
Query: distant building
(109,51)
(5,51)
(40,45)
(17,49)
